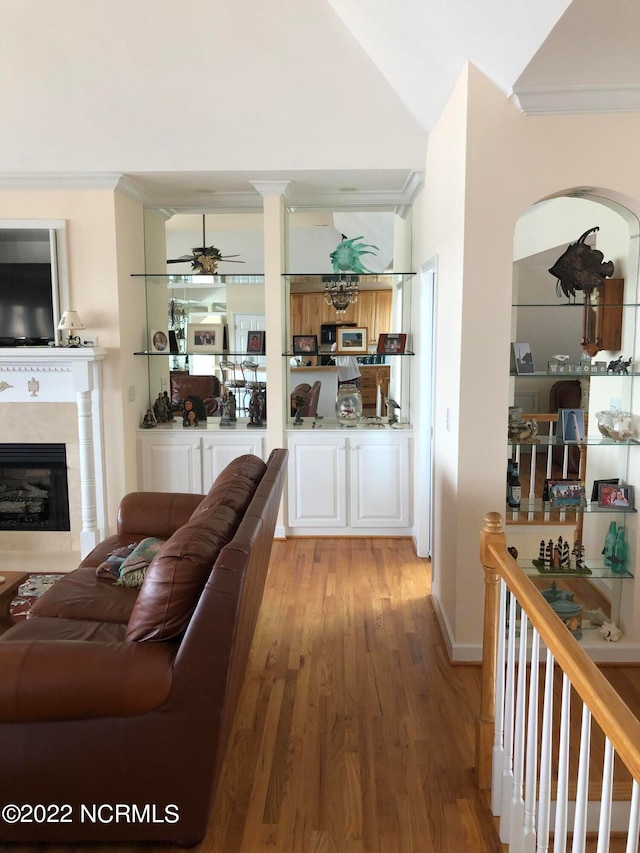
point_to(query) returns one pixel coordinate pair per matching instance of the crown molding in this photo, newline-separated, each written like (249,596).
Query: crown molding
(168,203)
(567,100)
(60,180)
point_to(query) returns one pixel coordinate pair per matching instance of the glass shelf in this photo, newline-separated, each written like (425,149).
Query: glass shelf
(596,568)
(543,374)
(574,305)
(243,355)
(552,441)
(367,278)
(200,279)
(358,357)
(545,509)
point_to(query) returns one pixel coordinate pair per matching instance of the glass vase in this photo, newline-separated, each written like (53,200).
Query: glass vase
(348,405)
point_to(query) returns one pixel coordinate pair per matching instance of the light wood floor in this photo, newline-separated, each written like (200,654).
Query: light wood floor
(354,734)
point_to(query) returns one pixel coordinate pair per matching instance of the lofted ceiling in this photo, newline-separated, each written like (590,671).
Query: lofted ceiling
(552,57)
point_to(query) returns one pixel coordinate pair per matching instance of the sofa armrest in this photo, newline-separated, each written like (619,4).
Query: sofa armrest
(68,680)
(157,514)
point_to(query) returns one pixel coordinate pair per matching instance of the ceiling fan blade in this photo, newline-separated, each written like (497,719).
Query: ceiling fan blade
(181,260)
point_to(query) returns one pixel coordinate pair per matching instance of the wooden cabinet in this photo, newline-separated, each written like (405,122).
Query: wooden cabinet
(373,310)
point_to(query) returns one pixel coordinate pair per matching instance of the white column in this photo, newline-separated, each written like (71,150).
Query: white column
(276,311)
(84,376)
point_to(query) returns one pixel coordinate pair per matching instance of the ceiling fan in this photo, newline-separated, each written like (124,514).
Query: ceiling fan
(205,259)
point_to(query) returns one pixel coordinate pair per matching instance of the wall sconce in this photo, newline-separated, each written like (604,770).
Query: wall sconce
(341,292)
(69,322)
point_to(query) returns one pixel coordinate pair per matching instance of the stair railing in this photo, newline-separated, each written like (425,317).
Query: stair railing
(523,746)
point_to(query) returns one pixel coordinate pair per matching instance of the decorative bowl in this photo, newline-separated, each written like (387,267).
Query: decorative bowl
(615,425)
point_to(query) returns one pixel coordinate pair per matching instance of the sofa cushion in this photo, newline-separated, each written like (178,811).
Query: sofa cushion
(30,630)
(82,595)
(177,575)
(235,485)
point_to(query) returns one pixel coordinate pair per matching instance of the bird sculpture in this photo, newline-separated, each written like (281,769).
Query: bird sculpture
(392,408)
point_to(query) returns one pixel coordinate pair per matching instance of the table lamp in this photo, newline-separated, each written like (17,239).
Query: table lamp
(69,322)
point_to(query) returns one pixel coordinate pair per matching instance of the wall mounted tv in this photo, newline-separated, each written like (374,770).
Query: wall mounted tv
(26,304)
(32,270)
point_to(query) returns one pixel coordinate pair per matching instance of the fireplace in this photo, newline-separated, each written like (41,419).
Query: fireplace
(34,494)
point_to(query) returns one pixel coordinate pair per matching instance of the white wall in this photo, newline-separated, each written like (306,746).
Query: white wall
(150,86)
(512,161)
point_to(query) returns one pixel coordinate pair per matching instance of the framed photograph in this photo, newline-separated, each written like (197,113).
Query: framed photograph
(255,343)
(595,491)
(160,342)
(522,358)
(205,338)
(305,344)
(392,344)
(571,425)
(566,493)
(352,340)
(615,496)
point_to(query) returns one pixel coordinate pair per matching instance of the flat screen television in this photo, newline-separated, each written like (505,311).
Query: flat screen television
(26,304)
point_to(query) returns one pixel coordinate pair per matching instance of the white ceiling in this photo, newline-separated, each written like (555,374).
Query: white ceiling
(554,56)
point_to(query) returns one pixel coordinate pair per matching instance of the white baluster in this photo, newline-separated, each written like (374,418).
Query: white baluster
(517,802)
(498,733)
(604,824)
(532,482)
(634,820)
(532,749)
(545,758)
(582,791)
(509,702)
(560,828)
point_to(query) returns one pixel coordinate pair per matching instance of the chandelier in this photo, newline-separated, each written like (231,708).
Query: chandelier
(341,292)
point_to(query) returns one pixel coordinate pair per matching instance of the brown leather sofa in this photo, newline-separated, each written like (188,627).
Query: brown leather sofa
(185,385)
(116,704)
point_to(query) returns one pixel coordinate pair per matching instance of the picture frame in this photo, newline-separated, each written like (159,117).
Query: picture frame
(352,340)
(571,425)
(522,357)
(255,343)
(392,344)
(565,494)
(305,344)
(616,497)
(160,341)
(595,490)
(203,338)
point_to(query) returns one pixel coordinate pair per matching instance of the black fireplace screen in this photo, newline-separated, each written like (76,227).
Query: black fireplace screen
(34,494)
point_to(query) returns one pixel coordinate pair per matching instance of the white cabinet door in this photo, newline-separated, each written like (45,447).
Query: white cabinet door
(218,450)
(316,480)
(379,480)
(170,463)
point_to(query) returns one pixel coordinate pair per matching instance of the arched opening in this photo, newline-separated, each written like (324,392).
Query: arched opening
(561,377)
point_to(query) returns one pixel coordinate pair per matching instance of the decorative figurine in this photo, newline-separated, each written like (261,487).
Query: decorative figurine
(148,421)
(299,403)
(225,417)
(619,367)
(160,409)
(558,557)
(255,409)
(346,256)
(580,267)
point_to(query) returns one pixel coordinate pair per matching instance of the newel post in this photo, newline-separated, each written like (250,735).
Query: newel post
(492,534)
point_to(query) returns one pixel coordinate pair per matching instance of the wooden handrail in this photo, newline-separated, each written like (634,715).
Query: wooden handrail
(613,716)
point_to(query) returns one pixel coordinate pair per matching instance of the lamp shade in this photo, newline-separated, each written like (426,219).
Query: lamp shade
(70,320)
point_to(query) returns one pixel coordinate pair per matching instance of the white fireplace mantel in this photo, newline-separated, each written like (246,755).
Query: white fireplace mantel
(66,375)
